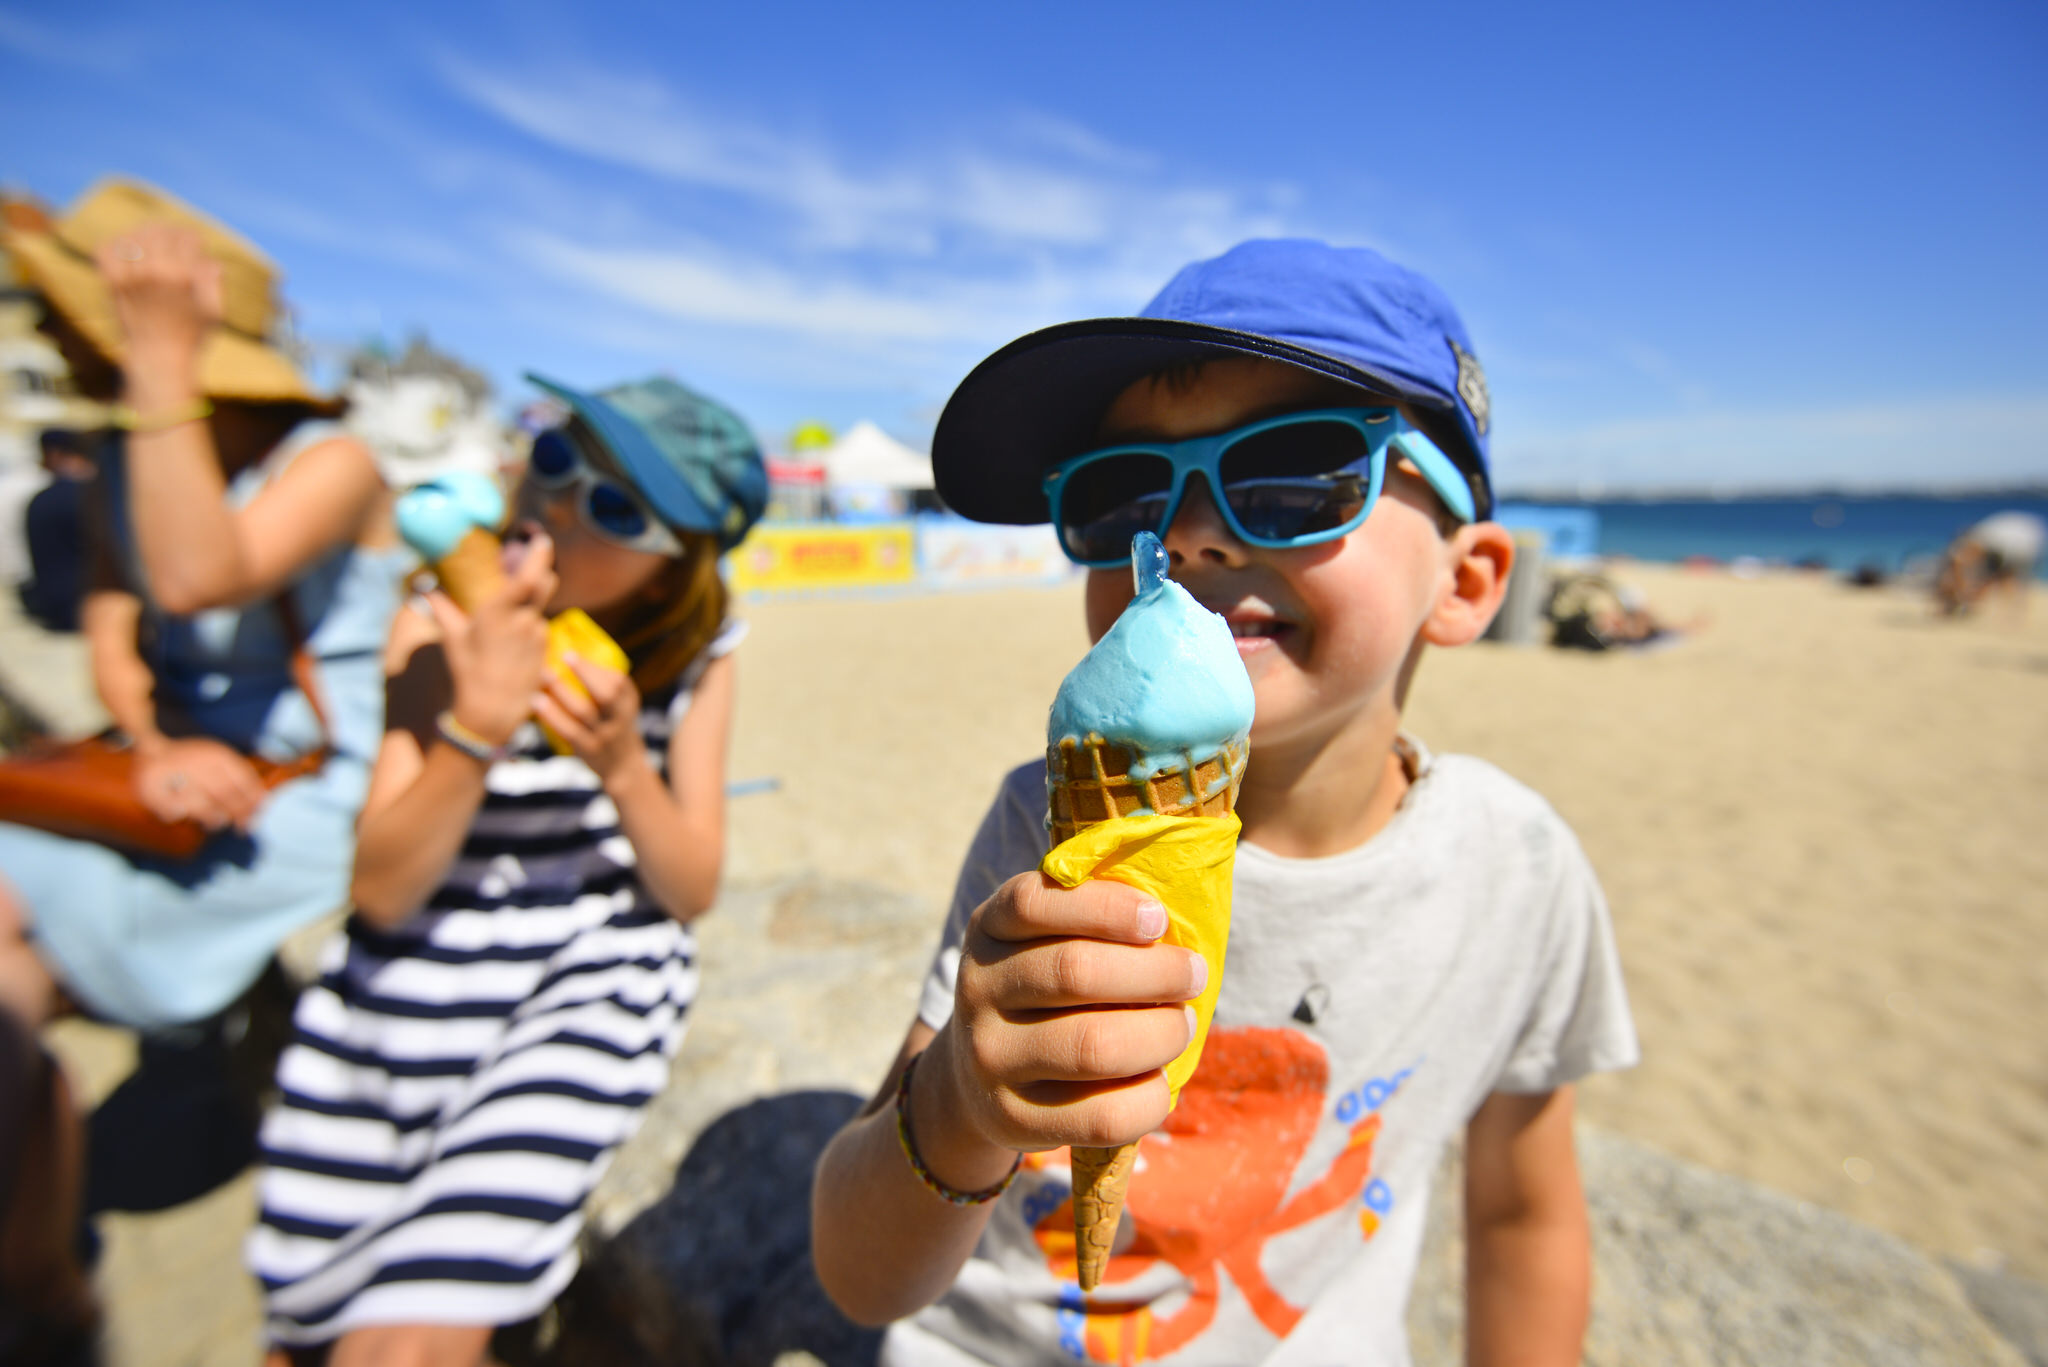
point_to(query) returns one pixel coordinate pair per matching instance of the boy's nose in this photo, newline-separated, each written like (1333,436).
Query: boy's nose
(1199,533)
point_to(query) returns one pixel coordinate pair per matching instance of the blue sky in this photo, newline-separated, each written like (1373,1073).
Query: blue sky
(1717,246)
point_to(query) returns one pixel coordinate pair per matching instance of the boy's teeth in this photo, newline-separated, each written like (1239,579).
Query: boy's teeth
(1251,628)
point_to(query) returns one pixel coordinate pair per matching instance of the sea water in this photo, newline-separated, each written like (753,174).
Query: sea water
(1840,531)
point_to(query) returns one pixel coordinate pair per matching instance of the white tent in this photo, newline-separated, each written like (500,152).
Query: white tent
(868,455)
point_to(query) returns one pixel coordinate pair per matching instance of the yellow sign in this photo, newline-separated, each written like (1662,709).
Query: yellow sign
(786,559)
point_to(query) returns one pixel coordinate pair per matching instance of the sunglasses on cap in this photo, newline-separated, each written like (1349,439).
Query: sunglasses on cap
(607,506)
(1295,480)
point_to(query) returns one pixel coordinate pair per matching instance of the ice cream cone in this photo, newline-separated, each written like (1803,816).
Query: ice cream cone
(1088,782)
(1154,722)
(472,571)
(1102,1182)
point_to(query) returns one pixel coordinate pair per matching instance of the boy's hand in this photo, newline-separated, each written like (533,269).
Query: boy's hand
(496,654)
(1066,1012)
(602,728)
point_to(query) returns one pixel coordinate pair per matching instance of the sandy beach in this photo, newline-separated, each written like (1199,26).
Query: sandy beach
(1816,820)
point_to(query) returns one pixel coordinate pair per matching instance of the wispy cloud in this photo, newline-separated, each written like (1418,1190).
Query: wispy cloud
(97,50)
(925,253)
(1954,440)
(647,126)
(705,285)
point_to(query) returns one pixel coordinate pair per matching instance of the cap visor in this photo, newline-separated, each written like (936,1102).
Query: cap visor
(640,459)
(1040,399)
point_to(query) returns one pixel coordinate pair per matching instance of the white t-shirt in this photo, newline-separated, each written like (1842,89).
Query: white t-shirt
(1371,1001)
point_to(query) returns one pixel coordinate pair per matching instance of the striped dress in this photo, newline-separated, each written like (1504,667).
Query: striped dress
(456,1086)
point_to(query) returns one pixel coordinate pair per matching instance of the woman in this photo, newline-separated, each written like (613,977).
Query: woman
(239,528)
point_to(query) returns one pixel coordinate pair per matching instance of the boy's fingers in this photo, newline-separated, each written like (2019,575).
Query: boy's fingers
(1033,907)
(1088,1046)
(1098,1114)
(1057,974)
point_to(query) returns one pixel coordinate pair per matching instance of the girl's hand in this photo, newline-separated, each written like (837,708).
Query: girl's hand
(167,294)
(603,728)
(199,780)
(496,654)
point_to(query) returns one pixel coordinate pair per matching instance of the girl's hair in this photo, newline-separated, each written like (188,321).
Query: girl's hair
(681,611)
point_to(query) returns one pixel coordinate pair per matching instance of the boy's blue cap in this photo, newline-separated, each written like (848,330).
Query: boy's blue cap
(694,461)
(1345,312)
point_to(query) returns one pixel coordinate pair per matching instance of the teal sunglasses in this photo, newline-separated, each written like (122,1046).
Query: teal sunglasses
(1296,480)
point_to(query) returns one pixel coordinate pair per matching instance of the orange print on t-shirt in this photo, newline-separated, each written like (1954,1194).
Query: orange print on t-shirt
(1209,1191)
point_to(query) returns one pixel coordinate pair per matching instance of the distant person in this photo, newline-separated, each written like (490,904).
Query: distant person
(55,527)
(2000,554)
(520,915)
(1420,953)
(1592,612)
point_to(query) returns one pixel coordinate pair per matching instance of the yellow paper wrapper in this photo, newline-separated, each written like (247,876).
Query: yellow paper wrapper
(575,631)
(1186,863)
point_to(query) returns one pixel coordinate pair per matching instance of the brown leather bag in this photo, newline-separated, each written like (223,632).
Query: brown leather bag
(86,790)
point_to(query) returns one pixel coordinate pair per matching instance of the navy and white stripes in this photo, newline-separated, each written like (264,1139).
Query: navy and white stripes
(456,1086)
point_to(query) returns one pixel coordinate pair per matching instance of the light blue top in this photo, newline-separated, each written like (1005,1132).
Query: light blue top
(154,944)
(1165,681)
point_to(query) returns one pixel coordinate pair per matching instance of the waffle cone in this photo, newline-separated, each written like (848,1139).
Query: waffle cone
(472,571)
(1088,782)
(1102,1181)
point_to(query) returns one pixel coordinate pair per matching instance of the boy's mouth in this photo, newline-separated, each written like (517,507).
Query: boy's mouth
(1256,632)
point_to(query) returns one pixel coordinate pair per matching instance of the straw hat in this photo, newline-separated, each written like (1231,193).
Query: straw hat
(238,359)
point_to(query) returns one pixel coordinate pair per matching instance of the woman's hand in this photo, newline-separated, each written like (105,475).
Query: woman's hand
(167,294)
(497,653)
(199,780)
(602,728)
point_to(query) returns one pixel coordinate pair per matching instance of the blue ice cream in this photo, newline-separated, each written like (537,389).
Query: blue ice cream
(435,516)
(1164,682)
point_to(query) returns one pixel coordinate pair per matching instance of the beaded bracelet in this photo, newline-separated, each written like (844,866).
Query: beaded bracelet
(466,740)
(924,1174)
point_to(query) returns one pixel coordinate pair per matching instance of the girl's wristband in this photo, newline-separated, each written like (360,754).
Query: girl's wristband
(924,1174)
(467,741)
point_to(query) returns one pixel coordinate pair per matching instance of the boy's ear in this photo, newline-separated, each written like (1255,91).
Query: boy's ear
(1480,556)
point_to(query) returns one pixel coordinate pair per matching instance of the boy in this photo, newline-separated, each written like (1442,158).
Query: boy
(1417,943)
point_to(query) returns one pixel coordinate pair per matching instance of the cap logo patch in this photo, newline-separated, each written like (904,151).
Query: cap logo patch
(1472,387)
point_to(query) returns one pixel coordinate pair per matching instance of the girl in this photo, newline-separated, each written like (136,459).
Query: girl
(512,986)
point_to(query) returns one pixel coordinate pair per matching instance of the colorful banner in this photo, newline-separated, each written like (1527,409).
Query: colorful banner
(801,557)
(955,553)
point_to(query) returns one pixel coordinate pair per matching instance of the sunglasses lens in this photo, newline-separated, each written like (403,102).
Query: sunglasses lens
(615,512)
(1298,479)
(553,459)
(1107,502)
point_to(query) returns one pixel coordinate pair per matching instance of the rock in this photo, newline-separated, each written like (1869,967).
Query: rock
(1694,1267)
(806,984)
(2014,1306)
